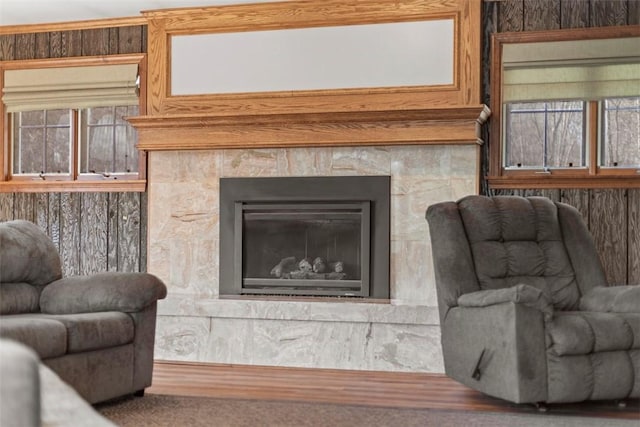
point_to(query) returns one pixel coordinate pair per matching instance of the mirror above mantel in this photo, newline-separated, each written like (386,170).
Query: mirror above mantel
(395,54)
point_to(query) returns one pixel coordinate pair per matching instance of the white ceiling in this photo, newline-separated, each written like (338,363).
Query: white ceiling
(20,12)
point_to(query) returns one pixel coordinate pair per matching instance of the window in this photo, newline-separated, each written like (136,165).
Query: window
(108,141)
(545,134)
(620,132)
(566,109)
(66,125)
(43,142)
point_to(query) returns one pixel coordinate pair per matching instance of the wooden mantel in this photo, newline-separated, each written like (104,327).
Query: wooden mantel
(449,125)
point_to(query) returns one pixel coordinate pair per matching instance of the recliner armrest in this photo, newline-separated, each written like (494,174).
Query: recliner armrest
(498,349)
(615,299)
(113,291)
(519,294)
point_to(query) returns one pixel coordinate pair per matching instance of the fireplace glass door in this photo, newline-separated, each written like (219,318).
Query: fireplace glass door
(292,248)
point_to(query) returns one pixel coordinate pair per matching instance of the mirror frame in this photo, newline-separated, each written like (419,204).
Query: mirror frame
(163,24)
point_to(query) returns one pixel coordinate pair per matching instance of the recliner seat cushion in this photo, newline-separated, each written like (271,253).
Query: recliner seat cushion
(606,375)
(579,332)
(518,240)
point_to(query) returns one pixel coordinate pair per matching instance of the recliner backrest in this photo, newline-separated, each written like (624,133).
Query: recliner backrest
(484,242)
(517,240)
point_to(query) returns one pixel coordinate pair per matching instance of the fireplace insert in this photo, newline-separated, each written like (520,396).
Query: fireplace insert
(312,236)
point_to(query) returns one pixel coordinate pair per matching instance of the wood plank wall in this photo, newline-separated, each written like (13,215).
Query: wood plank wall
(613,215)
(97,231)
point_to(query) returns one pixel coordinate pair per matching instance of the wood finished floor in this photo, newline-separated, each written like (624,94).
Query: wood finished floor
(385,389)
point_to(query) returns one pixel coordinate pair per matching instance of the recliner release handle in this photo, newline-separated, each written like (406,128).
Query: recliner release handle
(476,371)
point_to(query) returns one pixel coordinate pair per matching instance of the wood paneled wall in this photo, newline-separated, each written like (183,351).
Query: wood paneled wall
(533,15)
(60,44)
(613,215)
(94,232)
(98,231)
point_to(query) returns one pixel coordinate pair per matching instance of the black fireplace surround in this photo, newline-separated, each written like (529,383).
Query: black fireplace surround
(309,236)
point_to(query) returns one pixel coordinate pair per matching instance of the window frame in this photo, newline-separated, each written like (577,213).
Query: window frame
(585,112)
(8,183)
(13,118)
(593,176)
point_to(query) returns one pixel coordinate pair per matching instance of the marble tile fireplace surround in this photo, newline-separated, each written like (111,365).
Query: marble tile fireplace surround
(196,324)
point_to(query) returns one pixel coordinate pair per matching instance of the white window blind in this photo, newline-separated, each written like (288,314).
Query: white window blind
(70,87)
(571,70)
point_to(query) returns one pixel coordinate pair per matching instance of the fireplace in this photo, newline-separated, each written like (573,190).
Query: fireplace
(311,236)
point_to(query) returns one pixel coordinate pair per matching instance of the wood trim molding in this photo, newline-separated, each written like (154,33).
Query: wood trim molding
(300,14)
(308,13)
(73,25)
(4,134)
(586,182)
(29,186)
(566,34)
(79,61)
(460,125)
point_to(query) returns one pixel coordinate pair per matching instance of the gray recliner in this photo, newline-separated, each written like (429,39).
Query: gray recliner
(526,313)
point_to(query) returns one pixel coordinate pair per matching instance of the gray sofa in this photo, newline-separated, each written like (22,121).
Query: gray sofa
(96,332)
(526,313)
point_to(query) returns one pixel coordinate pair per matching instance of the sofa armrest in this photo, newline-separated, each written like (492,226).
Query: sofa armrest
(519,294)
(20,385)
(616,299)
(113,291)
